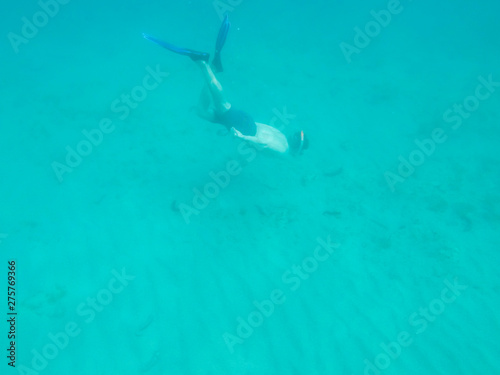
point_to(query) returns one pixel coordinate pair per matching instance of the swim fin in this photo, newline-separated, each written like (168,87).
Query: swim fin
(194,55)
(221,39)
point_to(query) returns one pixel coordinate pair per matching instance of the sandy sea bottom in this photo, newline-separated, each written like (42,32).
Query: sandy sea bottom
(150,257)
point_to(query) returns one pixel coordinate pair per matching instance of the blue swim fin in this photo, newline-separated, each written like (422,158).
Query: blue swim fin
(194,55)
(221,39)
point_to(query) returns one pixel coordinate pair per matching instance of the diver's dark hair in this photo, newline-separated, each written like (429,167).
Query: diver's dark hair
(298,142)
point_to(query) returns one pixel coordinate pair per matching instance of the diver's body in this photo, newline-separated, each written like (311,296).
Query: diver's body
(214,107)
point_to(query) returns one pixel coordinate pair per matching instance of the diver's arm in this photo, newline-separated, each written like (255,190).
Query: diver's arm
(267,137)
(250,138)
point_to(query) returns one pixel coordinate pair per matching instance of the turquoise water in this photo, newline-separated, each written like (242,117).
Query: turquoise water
(148,241)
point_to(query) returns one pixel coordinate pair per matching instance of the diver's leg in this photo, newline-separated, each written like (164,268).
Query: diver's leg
(221,105)
(204,108)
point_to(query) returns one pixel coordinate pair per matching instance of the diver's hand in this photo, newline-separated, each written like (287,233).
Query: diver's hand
(236,133)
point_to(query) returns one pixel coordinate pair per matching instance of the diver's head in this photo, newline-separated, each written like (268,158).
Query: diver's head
(298,142)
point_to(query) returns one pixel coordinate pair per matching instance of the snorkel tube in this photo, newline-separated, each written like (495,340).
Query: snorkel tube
(298,143)
(301,144)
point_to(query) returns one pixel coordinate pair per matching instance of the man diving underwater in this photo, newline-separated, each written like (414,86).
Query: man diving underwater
(215,108)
